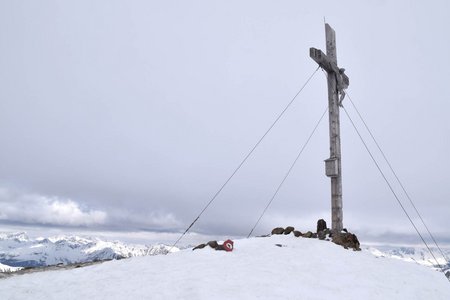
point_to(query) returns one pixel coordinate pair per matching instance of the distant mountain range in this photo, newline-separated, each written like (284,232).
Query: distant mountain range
(18,250)
(419,255)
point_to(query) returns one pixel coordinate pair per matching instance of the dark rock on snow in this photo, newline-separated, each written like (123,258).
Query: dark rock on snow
(346,240)
(321,235)
(213,244)
(289,229)
(278,230)
(321,225)
(201,246)
(220,247)
(297,233)
(309,234)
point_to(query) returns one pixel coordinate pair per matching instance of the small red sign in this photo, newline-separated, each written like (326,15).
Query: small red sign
(228,245)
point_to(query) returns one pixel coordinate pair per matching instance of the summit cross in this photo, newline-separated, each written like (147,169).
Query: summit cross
(337,83)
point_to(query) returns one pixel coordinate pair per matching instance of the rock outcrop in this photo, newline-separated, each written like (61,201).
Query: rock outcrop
(321,225)
(288,230)
(297,233)
(346,240)
(278,230)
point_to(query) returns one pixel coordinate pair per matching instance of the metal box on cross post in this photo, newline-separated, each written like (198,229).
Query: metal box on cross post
(331,167)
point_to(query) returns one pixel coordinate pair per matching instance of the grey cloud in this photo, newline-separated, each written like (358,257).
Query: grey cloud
(31,208)
(39,209)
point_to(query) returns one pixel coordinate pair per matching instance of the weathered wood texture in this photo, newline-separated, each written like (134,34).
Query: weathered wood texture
(335,134)
(337,81)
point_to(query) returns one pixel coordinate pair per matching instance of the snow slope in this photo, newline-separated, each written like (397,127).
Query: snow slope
(17,250)
(257,268)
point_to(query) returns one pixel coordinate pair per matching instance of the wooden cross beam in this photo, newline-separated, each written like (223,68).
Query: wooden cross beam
(337,83)
(330,66)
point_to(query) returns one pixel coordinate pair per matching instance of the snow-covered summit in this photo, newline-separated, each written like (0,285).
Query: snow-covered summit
(14,236)
(277,267)
(18,250)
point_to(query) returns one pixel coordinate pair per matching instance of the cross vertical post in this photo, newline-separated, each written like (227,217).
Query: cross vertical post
(337,83)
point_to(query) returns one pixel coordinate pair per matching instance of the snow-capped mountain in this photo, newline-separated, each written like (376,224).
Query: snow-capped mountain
(7,269)
(418,255)
(18,250)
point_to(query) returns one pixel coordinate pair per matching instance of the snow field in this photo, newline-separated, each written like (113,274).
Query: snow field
(256,269)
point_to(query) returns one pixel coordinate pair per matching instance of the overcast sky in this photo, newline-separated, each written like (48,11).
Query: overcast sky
(129,115)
